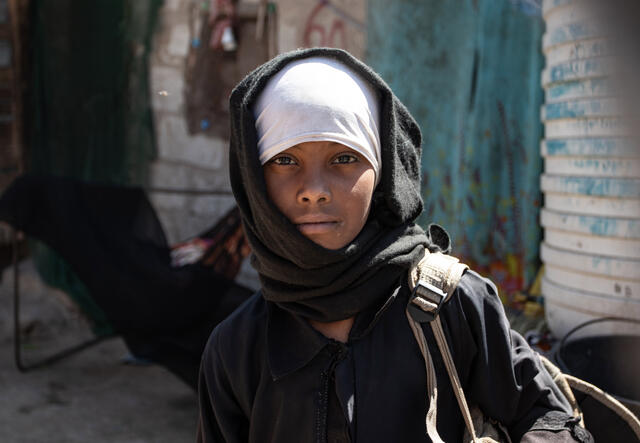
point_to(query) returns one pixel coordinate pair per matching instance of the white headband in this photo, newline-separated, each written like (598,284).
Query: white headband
(318,99)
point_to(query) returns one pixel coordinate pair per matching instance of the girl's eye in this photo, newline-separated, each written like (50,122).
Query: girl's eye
(345,158)
(284,160)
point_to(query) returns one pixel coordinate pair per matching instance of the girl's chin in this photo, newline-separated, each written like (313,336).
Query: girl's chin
(327,239)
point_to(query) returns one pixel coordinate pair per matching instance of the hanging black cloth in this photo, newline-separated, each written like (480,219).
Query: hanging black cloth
(113,240)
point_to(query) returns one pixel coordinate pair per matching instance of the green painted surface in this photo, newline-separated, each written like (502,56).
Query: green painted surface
(89,108)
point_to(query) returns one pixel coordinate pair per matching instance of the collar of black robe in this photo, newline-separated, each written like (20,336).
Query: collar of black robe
(298,274)
(292,342)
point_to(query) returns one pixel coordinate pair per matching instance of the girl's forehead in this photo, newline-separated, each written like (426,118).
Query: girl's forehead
(320,145)
(318,98)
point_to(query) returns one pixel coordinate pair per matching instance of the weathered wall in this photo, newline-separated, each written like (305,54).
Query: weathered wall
(469,72)
(184,161)
(307,23)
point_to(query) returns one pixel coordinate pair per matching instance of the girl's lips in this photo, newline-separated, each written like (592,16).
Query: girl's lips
(317,227)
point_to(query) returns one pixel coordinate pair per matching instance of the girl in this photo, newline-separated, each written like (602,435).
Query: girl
(325,168)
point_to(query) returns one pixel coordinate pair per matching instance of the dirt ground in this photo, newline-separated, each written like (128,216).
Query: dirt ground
(93,396)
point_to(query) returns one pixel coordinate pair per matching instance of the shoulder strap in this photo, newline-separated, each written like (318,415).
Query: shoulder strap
(432,283)
(438,269)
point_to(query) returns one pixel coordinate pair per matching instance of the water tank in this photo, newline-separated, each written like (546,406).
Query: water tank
(591,179)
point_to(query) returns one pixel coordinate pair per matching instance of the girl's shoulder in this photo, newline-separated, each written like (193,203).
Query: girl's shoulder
(474,286)
(475,308)
(242,330)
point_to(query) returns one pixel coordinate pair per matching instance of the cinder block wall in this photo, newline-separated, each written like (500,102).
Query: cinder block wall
(184,161)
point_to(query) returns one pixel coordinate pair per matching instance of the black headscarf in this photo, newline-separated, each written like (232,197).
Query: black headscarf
(300,275)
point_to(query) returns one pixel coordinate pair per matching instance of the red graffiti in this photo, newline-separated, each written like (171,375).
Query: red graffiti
(324,37)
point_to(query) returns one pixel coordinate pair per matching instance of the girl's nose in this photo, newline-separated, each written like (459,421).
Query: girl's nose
(314,189)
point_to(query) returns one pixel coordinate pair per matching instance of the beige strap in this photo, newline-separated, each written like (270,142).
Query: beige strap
(440,270)
(443,272)
(432,386)
(453,376)
(607,400)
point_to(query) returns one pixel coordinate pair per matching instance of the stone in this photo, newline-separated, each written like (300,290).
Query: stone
(180,227)
(167,200)
(212,206)
(287,38)
(179,41)
(174,143)
(186,217)
(170,174)
(167,84)
(310,23)
(172,5)
(214,180)
(165,174)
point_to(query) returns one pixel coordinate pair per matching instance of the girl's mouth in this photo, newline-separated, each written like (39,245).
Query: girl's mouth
(314,228)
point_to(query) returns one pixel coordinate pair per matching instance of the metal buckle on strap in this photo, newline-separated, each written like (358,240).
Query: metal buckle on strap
(425,302)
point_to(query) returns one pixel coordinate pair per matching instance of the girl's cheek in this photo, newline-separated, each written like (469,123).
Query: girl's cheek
(365,183)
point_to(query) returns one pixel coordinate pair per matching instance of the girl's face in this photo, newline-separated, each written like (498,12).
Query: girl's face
(324,188)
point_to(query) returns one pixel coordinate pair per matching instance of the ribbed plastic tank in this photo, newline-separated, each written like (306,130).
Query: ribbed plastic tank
(591,179)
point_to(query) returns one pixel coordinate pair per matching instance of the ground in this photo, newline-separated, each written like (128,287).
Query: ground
(93,396)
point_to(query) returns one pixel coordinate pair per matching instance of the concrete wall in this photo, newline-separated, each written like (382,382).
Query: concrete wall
(307,23)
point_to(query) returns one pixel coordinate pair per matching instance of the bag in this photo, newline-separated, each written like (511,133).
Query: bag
(432,282)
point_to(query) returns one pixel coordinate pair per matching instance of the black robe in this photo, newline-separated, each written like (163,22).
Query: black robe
(267,375)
